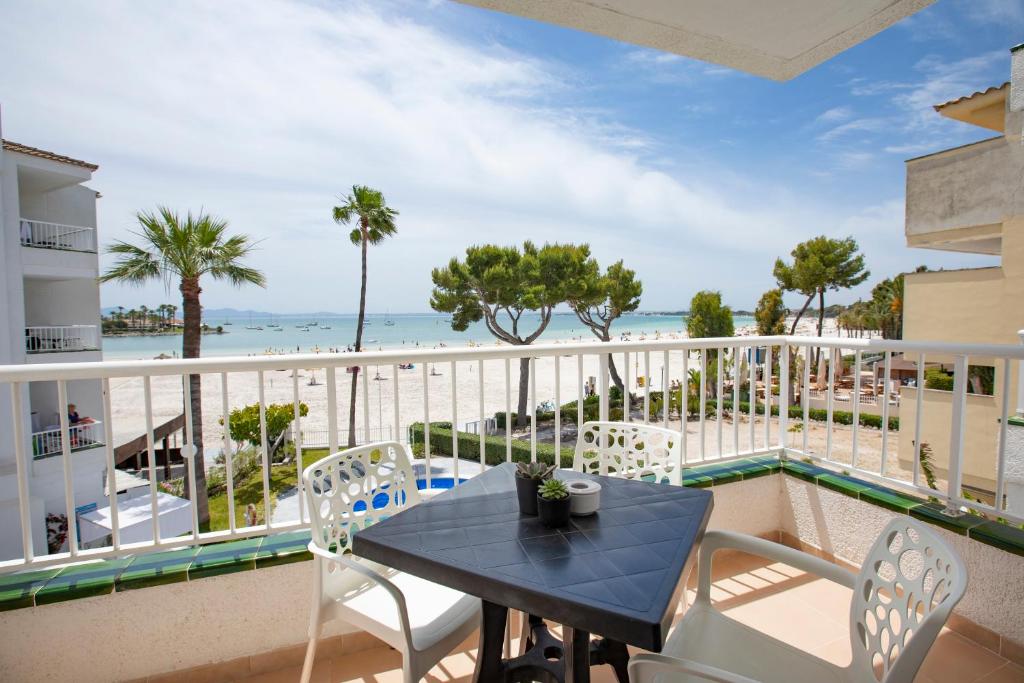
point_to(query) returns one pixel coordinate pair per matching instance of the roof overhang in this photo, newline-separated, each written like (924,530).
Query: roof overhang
(986,109)
(777,40)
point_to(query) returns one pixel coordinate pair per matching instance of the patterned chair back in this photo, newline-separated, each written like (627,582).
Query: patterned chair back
(629,450)
(906,589)
(352,489)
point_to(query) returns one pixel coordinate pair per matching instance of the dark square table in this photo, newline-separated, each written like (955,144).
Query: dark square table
(618,573)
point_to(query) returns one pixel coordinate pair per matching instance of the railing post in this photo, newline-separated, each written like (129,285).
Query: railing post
(603,379)
(783,396)
(956,438)
(1020,380)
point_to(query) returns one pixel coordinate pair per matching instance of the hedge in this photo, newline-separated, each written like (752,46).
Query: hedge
(842,417)
(494,446)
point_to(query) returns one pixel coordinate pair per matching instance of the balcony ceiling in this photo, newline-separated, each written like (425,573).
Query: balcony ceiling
(777,40)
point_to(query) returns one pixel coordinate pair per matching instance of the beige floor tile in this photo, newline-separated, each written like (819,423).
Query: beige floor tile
(791,621)
(835,652)
(825,596)
(954,659)
(1008,673)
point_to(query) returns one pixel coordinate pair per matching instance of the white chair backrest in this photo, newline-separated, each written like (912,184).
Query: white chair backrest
(629,450)
(352,489)
(906,589)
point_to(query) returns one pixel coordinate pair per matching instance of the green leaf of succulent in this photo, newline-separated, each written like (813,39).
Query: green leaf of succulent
(534,470)
(553,489)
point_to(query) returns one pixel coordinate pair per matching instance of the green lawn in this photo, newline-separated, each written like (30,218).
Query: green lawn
(282,478)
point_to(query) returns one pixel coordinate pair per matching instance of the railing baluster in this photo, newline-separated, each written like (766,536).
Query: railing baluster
(767,396)
(69,480)
(719,390)
(752,395)
(22,467)
(702,407)
(483,426)
(558,406)
(533,410)
(394,398)
(332,410)
(647,387)
(188,451)
(805,395)
(885,411)
(229,466)
(919,405)
(367,438)
(956,436)
(783,395)
(455,423)
(626,384)
(426,423)
(1004,413)
(108,441)
(736,400)
(580,393)
(297,441)
(265,450)
(666,392)
(147,394)
(508,410)
(829,402)
(856,409)
(603,384)
(684,403)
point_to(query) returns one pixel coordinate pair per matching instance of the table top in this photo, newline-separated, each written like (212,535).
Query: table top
(618,573)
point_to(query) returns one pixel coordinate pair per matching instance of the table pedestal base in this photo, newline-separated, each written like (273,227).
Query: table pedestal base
(544,658)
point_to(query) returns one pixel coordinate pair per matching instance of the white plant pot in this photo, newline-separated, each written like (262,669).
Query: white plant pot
(584,497)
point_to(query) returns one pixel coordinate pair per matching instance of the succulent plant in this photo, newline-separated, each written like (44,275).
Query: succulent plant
(553,489)
(534,470)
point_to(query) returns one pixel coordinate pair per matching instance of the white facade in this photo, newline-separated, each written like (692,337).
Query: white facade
(50,303)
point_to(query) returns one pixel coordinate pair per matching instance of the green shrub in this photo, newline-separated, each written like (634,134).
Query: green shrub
(494,446)
(842,417)
(936,378)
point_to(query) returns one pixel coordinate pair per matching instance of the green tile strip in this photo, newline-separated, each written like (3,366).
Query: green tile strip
(44,586)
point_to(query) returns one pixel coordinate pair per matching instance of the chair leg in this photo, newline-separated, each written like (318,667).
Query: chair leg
(307,665)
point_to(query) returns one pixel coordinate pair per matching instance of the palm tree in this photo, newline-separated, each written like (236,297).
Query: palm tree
(375,222)
(184,249)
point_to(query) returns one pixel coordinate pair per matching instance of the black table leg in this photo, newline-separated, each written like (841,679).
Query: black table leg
(489,666)
(576,648)
(614,654)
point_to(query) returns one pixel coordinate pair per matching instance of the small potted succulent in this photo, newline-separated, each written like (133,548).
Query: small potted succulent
(553,503)
(529,476)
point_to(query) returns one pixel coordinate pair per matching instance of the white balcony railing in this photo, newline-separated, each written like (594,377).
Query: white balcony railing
(45,235)
(49,442)
(61,338)
(403,387)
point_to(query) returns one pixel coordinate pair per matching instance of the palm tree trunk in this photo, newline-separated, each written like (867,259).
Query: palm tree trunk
(190,347)
(359,343)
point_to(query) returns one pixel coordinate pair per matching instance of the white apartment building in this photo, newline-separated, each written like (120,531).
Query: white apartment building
(50,305)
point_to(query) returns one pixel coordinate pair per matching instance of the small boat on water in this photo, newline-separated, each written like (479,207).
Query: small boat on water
(324,327)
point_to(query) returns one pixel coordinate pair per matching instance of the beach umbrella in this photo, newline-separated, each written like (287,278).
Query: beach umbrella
(820,381)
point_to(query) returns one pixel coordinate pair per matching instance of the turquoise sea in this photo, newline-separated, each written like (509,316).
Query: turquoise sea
(300,333)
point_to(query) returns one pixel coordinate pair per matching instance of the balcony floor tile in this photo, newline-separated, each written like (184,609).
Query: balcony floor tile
(809,613)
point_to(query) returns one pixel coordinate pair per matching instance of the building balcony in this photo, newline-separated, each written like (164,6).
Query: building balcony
(958,199)
(44,235)
(49,442)
(230,601)
(61,338)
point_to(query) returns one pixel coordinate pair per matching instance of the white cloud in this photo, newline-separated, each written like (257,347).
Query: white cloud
(996,11)
(267,112)
(865,125)
(834,115)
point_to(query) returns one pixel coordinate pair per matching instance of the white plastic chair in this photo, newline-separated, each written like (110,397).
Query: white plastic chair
(905,591)
(349,491)
(629,450)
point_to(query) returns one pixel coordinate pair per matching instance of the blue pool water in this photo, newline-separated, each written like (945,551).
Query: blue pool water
(436,483)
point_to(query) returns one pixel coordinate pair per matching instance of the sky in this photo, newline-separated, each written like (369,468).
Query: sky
(480,127)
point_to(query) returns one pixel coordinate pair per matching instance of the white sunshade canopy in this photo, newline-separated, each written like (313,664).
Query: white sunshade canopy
(777,39)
